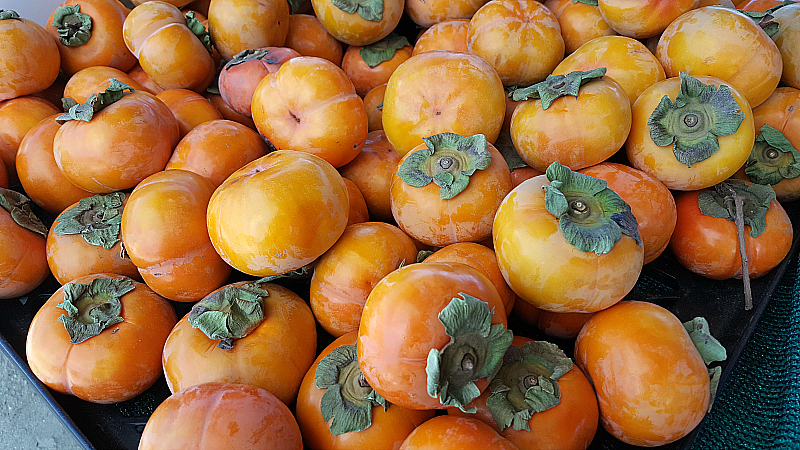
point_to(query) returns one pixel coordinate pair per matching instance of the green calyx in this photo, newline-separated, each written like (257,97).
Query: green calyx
(371,10)
(93,307)
(74,28)
(587,2)
(296,5)
(475,351)
(448,160)
(252,54)
(765,19)
(20,209)
(230,313)
(709,347)
(592,217)
(383,50)
(555,86)
(96,102)
(348,399)
(200,31)
(755,198)
(527,383)
(505,145)
(692,124)
(97,219)
(8,14)
(773,158)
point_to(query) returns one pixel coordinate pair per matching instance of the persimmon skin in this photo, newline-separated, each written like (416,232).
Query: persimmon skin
(274,356)
(238,25)
(22,253)
(351,28)
(652,385)
(17,116)
(308,37)
(31,61)
(358,211)
(709,246)
(189,108)
(641,19)
(228,113)
(373,103)
(388,429)
(788,42)
(446,35)
(231,415)
(3,176)
(400,325)
(371,170)
(546,270)
(430,12)
(129,352)
(237,83)
(450,432)
(95,79)
(579,22)
(363,76)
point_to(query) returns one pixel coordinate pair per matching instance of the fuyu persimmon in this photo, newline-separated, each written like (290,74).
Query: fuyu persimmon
(30,57)
(189,108)
(240,76)
(308,37)
(359,23)
(17,116)
(238,25)
(23,259)
(580,22)
(446,35)
(371,65)
(641,19)
(451,432)
(372,170)
(91,80)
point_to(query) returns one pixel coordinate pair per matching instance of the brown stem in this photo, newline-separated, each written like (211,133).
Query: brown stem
(738,214)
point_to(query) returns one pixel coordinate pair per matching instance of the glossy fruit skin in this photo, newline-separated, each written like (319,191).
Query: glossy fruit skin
(23,260)
(94,79)
(562,325)
(358,212)
(521,40)
(17,116)
(446,35)
(284,187)
(627,61)
(351,28)
(651,202)
(165,235)
(719,42)
(237,83)
(788,42)
(577,131)
(231,415)
(579,22)
(452,432)
(30,57)
(373,104)
(372,170)
(709,246)
(189,108)
(430,12)
(274,356)
(308,37)
(227,112)
(116,365)
(546,270)
(400,325)
(467,217)
(652,385)
(432,92)
(641,19)
(141,77)
(310,105)
(388,429)
(237,25)
(363,76)
(217,148)
(106,47)
(3,176)
(661,163)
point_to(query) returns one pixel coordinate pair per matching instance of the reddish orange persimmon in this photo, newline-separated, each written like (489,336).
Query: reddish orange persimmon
(451,432)
(446,35)
(579,22)
(427,13)
(23,260)
(31,61)
(217,148)
(165,234)
(373,103)
(372,172)
(38,172)
(358,206)
(240,76)
(521,174)
(94,79)
(3,176)
(563,325)
(189,108)
(238,25)
(345,275)
(129,351)
(274,355)
(310,105)
(308,37)
(788,42)
(363,26)
(227,112)
(17,116)
(231,415)
(363,75)
(98,43)
(642,19)
(140,76)
(757,5)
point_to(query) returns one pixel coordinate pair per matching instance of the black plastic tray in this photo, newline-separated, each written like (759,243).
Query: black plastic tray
(663,281)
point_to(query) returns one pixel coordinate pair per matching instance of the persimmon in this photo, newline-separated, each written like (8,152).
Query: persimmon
(217,148)
(308,37)
(249,212)
(311,105)
(520,39)
(189,108)
(431,93)
(372,170)
(428,13)
(446,35)
(91,80)
(758,5)
(17,116)
(450,432)
(521,174)
(227,112)
(138,75)
(788,43)
(30,57)
(89,33)
(373,64)
(231,415)
(447,189)
(374,424)
(255,333)
(85,239)
(23,259)
(238,25)
(164,229)
(240,76)
(641,19)
(373,103)
(571,230)
(356,23)
(100,321)
(3,176)
(580,22)
(358,211)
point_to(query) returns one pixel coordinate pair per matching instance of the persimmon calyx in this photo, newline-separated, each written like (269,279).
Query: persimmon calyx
(93,307)
(505,146)
(422,255)
(348,397)
(701,112)
(200,31)
(295,6)
(756,199)
(74,27)
(251,54)
(555,86)
(587,2)
(592,217)
(19,207)
(8,14)
(229,313)
(527,383)
(96,102)
(765,19)
(371,10)
(773,158)
(383,50)
(709,347)
(475,351)
(448,160)
(97,219)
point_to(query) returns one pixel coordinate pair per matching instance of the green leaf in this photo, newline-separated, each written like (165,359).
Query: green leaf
(199,30)
(92,308)
(709,347)
(555,86)
(97,219)
(586,2)
(383,50)
(74,28)
(718,202)
(252,54)
(18,206)
(96,102)
(371,10)
(8,14)
(773,158)
(229,313)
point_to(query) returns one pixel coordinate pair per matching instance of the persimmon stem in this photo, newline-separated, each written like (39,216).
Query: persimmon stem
(736,203)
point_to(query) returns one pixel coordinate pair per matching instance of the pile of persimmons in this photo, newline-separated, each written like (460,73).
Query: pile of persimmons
(398,180)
